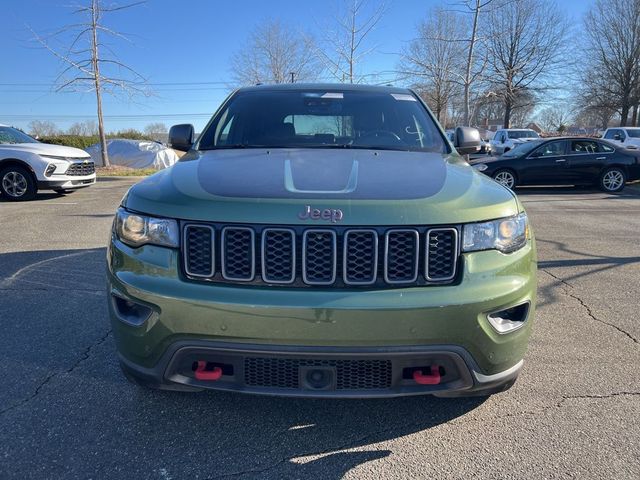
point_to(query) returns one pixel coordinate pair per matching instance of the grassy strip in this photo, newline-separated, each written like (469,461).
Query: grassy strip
(118,171)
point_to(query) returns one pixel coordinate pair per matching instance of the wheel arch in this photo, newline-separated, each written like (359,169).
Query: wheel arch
(8,162)
(621,166)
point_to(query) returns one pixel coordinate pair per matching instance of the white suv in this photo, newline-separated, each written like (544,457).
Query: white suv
(27,166)
(624,136)
(509,138)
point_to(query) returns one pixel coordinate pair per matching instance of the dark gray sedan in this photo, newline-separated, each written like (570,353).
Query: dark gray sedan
(564,161)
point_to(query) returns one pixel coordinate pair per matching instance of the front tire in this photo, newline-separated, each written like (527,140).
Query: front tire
(17,184)
(505,178)
(612,180)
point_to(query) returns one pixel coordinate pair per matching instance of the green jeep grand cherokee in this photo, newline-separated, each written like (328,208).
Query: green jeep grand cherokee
(322,240)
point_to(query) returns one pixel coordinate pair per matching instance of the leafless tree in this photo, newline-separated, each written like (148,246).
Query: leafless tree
(524,44)
(276,53)
(86,68)
(43,128)
(613,55)
(85,129)
(599,115)
(157,131)
(475,65)
(75,129)
(432,60)
(345,42)
(554,118)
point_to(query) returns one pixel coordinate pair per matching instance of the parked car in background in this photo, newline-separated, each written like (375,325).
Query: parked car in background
(485,146)
(135,154)
(564,161)
(26,166)
(628,137)
(509,138)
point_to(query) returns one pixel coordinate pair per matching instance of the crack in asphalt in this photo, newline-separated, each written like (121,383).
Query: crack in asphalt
(54,289)
(596,397)
(587,308)
(86,353)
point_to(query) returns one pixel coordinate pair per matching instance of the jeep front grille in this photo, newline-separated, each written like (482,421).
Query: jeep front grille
(80,169)
(278,255)
(440,254)
(238,254)
(305,257)
(199,255)
(319,255)
(360,257)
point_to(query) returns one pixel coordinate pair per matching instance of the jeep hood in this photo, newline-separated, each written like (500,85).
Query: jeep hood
(44,149)
(371,187)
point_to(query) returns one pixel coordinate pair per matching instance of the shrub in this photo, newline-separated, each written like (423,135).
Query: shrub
(80,141)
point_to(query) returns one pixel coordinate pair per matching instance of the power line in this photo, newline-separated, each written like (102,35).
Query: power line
(23,84)
(112,117)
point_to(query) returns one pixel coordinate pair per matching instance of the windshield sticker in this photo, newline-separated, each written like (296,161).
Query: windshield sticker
(404,97)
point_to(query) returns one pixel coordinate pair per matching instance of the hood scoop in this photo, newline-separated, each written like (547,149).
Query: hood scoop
(320,178)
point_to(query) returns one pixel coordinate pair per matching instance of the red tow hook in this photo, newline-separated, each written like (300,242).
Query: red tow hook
(431,379)
(209,375)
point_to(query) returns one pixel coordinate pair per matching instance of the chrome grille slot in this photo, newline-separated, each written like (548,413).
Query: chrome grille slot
(238,255)
(441,254)
(278,255)
(401,256)
(319,257)
(199,257)
(360,258)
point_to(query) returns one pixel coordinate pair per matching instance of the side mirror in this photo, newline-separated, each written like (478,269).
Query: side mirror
(467,140)
(181,137)
(617,136)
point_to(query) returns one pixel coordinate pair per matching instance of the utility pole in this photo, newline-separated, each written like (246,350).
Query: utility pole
(293,77)
(96,78)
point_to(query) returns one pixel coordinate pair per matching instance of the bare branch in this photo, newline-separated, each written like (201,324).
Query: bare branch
(88,71)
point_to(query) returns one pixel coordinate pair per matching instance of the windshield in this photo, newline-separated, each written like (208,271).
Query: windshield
(324,119)
(633,132)
(522,149)
(11,135)
(523,134)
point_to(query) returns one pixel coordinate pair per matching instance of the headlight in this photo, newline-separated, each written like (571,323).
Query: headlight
(136,230)
(505,234)
(481,167)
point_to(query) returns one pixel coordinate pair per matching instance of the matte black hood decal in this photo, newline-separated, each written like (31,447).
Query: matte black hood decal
(321,173)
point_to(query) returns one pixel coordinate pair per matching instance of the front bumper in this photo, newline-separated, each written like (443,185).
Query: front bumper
(353,372)
(67,183)
(410,327)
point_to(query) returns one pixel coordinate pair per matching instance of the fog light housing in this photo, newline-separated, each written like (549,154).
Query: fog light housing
(509,319)
(130,312)
(50,169)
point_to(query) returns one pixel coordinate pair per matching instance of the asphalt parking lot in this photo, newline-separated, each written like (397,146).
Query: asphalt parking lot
(67,412)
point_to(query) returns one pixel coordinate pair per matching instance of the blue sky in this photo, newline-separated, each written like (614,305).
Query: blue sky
(173,42)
